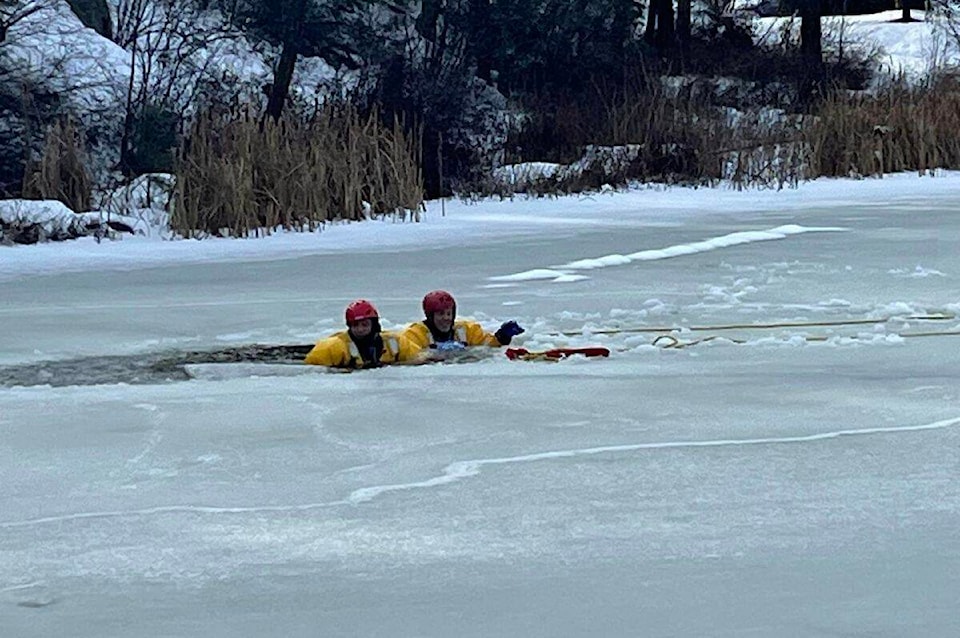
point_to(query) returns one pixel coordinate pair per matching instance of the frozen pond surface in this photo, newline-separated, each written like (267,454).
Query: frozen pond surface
(796,479)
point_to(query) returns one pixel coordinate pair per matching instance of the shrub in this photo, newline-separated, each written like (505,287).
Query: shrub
(154,141)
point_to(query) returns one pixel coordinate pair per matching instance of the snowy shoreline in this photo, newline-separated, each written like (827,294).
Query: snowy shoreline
(457,223)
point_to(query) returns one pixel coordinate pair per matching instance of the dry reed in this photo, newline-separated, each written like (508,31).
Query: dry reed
(61,173)
(899,128)
(240,176)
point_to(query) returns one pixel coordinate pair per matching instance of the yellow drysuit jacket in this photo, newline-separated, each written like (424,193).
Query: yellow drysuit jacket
(339,351)
(469,333)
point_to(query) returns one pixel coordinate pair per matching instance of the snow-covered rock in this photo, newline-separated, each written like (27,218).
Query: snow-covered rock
(24,221)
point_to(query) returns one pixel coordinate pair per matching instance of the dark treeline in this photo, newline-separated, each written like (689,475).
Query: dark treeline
(449,65)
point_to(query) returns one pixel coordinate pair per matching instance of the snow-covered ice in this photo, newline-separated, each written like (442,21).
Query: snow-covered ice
(787,468)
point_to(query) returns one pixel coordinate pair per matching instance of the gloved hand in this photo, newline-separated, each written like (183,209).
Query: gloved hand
(449,346)
(507,332)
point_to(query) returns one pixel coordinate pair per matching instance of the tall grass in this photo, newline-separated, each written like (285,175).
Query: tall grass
(672,134)
(238,175)
(61,173)
(902,127)
(679,134)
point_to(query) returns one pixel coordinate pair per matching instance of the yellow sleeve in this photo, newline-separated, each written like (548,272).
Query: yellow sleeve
(329,352)
(477,336)
(400,348)
(418,336)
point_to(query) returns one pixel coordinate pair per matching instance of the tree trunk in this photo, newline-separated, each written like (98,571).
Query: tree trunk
(283,74)
(683,27)
(484,43)
(129,117)
(665,26)
(650,30)
(659,30)
(281,80)
(811,48)
(426,23)
(811,35)
(94,14)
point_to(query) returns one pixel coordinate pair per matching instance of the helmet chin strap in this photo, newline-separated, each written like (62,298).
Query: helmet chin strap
(370,345)
(437,335)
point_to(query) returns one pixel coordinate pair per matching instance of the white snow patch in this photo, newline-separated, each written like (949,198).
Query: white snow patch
(562,272)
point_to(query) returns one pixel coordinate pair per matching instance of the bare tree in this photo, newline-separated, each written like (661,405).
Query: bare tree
(14,11)
(19,23)
(328,29)
(45,73)
(46,49)
(948,14)
(172,46)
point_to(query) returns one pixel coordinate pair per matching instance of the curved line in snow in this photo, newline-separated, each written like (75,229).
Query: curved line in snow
(465,469)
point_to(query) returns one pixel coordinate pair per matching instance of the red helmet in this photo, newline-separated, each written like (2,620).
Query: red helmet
(359,310)
(438,301)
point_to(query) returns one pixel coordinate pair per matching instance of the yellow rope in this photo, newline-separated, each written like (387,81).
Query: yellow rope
(943,333)
(669,341)
(673,342)
(536,356)
(761,326)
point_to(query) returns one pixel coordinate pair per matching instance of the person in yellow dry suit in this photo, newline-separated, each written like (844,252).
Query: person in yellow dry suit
(441,330)
(362,344)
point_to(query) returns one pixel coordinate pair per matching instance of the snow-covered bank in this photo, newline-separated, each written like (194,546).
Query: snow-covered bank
(913,49)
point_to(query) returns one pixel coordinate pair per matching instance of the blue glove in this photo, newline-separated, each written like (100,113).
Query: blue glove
(449,346)
(507,332)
